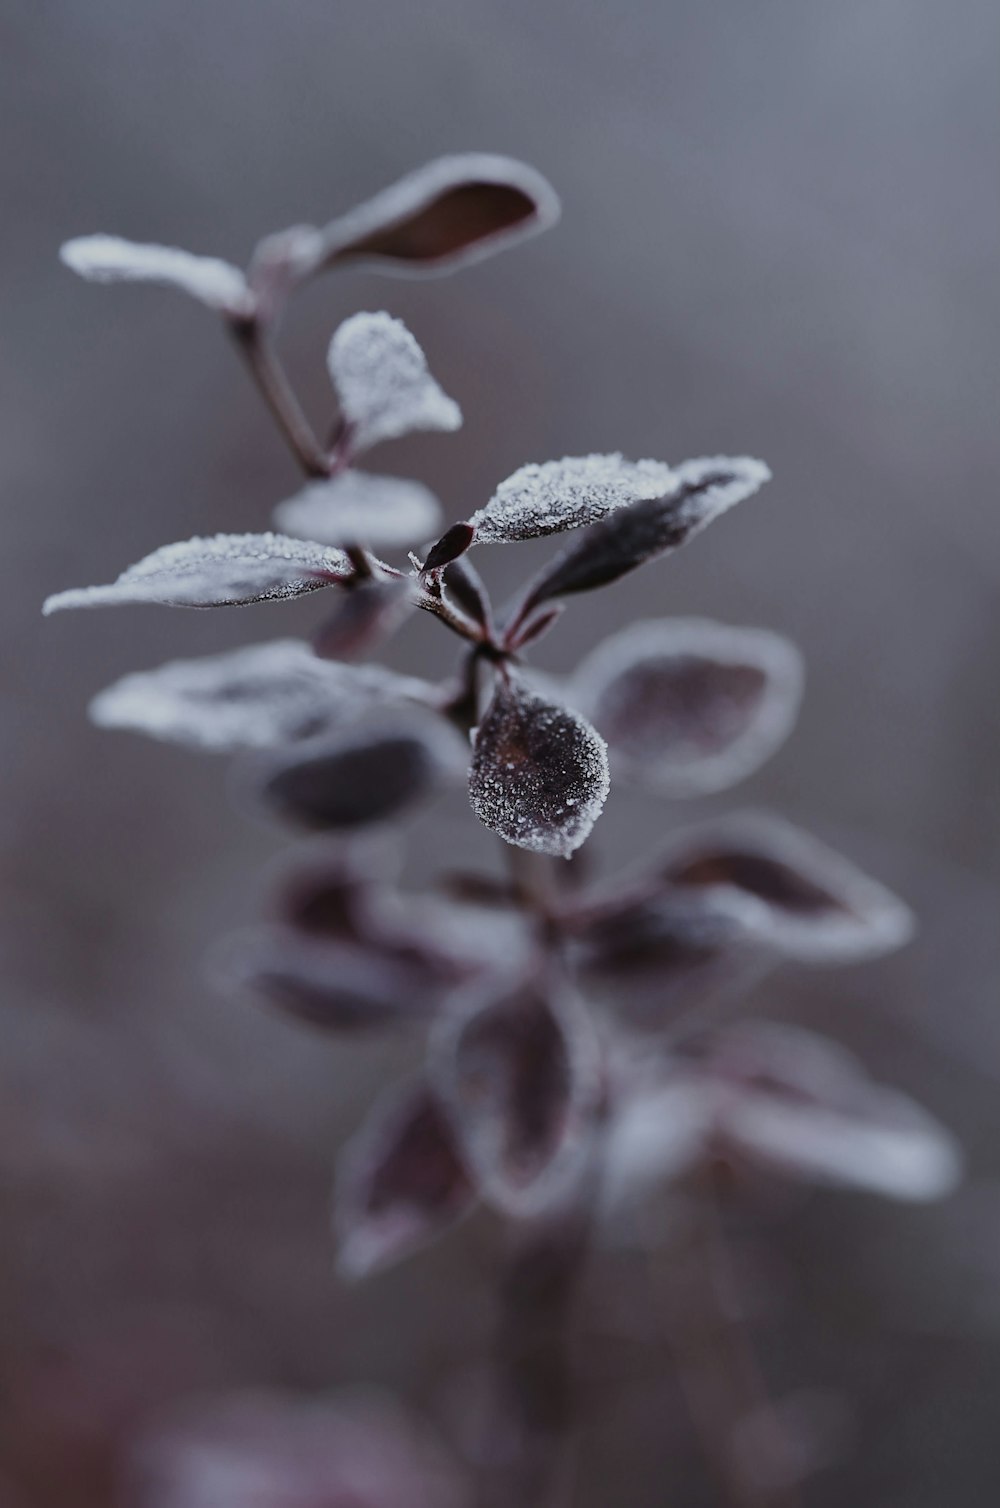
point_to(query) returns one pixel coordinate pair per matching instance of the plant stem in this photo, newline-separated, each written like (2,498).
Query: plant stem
(275,389)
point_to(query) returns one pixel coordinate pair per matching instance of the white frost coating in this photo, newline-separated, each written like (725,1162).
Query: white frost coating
(382,381)
(357,506)
(567,494)
(746,476)
(225,570)
(110,259)
(251,698)
(690,706)
(539,774)
(417,192)
(851,916)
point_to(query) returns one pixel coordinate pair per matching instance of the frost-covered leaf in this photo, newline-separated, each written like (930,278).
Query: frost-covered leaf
(689,706)
(227,570)
(518,1072)
(701,491)
(812,904)
(110,259)
(539,774)
(365,775)
(401,1182)
(357,507)
(256,697)
(383,383)
(364,618)
(559,495)
(454,210)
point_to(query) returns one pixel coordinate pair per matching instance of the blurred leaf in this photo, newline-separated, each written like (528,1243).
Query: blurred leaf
(110,259)
(367,615)
(358,507)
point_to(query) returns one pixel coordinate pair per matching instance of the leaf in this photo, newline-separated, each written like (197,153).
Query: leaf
(702,490)
(559,495)
(453,543)
(110,259)
(383,385)
(812,904)
(365,776)
(465,585)
(539,774)
(689,706)
(401,1182)
(454,210)
(228,570)
(357,507)
(250,698)
(519,1075)
(368,614)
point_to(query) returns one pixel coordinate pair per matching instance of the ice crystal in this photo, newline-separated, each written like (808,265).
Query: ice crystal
(357,506)
(110,259)
(382,381)
(567,494)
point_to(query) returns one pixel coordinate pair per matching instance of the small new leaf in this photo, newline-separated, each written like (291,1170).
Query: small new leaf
(382,382)
(539,774)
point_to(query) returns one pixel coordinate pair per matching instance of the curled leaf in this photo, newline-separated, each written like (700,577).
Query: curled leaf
(465,585)
(110,259)
(700,491)
(558,495)
(228,570)
(363,776)
(519,1075)
(690,706)
(401,1182)
(250,698)
(812,904)
(357,507)
(539,774)
(382,381)
(454,210)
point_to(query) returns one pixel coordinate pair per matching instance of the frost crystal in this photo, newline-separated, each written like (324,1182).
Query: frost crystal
(690,706)
(356,506)
(228,570)
(251,698)
(539,773)
(110,259)
(567,494)
(382,381)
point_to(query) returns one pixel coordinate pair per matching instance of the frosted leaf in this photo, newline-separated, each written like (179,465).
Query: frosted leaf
(631,536)
(518,1073)
(454,210)
(401,1182)
(559,495)
(357,507)
(656,1133)
(812,904)
(690,706)
(382,381)
(250,698)
(539,774)
(110,259)
(365,775)
(227,570)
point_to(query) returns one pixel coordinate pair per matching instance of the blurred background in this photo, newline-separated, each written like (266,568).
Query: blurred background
(780,235)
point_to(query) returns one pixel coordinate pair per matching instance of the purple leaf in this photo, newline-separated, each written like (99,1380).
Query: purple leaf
(110,259)
(811,904)
(539,774)
(701,491)
(559,495)
(465,585)
(401,1182)
(256,697)
(382,382)
(364,776)
(690,706)
(536,626)
(519,1074)
(356,506)
(228,570)
(369,613)
(453,543)
(452,211)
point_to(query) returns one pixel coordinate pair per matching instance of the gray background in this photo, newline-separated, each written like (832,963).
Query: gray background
(780,235)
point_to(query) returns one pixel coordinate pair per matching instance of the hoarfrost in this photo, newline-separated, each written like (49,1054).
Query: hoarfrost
(383,383)
(567,494)
(111,259)
(539,774)
(357,506)
(227,570)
